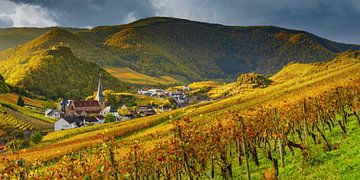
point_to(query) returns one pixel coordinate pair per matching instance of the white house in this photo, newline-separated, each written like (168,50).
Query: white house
(68,123)
(110,110)
(186,88)
(52,113)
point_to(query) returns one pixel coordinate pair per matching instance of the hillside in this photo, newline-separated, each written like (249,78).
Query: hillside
(55,73)
(55,37)
(132,77)
(215,124)
(17,118)
(196,51)
(185,50)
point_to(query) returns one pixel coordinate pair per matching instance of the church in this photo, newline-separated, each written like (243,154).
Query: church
(77,113)
(84,107)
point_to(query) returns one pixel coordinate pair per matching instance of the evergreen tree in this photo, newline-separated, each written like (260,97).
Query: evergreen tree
(20,101)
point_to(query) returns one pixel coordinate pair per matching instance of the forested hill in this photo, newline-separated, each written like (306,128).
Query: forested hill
(56,73)
(183,49)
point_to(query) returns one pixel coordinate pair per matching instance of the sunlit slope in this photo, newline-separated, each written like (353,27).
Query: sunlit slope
(130,76)
(55,73)
(57,36)
(343,70)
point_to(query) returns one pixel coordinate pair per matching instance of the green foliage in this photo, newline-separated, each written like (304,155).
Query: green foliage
(119,100)
(36,137)
(110,118)
(20,101)
(256,80)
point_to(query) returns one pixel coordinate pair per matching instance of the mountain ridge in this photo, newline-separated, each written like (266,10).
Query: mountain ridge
(185,50)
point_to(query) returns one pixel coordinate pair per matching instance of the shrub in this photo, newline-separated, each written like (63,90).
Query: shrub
(36,137)
(110,118)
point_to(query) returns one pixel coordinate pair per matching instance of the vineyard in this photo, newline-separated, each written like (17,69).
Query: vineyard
(304,126)
(8,121)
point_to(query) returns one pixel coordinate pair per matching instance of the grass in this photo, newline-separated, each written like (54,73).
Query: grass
(130,76)
(341,163)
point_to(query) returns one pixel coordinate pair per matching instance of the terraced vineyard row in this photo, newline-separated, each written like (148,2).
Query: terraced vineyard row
(9,121)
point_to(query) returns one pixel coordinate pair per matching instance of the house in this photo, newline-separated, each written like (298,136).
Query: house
(154,92)
(52,113)
(145,111)
(177,95)
(94,120)
(110,110)
(165,108)
(124,118)
(186,88)
(68,122)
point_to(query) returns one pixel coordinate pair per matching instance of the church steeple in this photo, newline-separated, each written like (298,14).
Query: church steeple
(99,95)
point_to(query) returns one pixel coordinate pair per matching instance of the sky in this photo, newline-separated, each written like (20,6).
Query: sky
(337,20)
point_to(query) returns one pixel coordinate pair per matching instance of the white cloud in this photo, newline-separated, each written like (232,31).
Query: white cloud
(20,14)
(188,9)
(130,17)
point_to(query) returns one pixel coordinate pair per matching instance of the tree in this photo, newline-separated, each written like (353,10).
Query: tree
(110,118)
(20,101)
(124,111)
(36,137)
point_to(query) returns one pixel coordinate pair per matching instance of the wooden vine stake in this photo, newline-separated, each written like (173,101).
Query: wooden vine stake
(281,149)
(306,135)
(242,126)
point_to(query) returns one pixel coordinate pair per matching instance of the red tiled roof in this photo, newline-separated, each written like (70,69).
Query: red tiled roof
(86,103)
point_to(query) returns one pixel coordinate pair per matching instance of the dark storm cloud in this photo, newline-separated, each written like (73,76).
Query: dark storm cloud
(90,13)
(337,20)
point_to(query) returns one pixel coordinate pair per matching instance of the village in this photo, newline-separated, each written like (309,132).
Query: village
(78,113)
